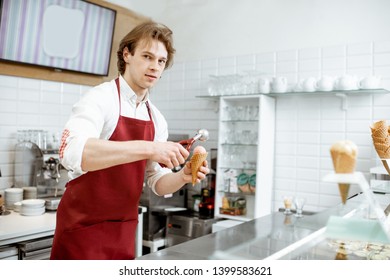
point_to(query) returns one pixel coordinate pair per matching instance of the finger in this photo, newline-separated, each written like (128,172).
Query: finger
(183,152)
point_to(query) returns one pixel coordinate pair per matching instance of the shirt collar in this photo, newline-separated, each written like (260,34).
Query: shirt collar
(128,93)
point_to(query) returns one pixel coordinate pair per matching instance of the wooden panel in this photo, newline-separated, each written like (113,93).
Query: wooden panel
(125,21)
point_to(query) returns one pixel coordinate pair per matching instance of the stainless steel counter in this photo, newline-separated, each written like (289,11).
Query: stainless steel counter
(266,236)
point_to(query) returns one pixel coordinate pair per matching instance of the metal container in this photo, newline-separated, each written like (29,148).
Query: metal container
(182,228)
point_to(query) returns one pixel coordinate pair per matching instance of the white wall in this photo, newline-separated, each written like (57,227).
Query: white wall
(306,126)
(215,28)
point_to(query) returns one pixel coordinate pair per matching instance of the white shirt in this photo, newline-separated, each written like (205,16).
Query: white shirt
(96,116)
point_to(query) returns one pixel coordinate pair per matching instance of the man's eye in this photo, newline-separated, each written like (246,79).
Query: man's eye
(147,56)
(162,61)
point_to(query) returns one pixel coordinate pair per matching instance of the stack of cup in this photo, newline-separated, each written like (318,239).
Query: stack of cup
(12,195)
(29,192)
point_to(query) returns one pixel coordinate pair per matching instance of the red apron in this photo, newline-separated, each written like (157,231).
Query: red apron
(98,213)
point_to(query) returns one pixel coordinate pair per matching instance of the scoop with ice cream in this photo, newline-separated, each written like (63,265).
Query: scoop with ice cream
(344,154)
(197,159)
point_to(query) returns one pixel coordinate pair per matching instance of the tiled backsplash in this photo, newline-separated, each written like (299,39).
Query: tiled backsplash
(306,126)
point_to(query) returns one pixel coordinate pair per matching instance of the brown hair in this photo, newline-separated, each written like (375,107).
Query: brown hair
(148,30)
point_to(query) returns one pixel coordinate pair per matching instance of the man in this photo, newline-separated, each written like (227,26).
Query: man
(114,136)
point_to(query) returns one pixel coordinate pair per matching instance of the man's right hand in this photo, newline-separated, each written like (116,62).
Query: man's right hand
(169,154)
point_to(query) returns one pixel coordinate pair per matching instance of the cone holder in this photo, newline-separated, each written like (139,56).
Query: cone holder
(351,227)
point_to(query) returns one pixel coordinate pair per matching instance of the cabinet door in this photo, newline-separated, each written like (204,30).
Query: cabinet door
(239,150)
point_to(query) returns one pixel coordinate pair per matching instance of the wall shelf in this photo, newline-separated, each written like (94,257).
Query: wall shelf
(315,93)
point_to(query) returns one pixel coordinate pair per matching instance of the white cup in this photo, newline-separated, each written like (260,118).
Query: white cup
(308,84)
(347,82)
(264,85)
(279,84)
(370,82)
(326,83)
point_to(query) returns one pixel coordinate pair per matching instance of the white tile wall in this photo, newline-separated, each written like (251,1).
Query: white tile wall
(306,126)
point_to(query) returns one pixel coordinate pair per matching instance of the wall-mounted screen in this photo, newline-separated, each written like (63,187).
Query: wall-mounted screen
(61,34)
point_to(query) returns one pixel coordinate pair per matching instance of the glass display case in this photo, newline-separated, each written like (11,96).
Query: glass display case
(245,157)
(357,230)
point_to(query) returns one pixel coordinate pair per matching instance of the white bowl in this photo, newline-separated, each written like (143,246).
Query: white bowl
(13,191)
(33,203)
(32,211)
(17,206)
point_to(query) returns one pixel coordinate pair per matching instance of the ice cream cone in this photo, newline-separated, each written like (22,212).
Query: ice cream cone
(344,190)
(378,126)
(196,162)
(344,155)
(381,140)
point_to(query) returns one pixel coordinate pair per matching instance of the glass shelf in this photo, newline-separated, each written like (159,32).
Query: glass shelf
(239,144)
(238,168)
(237,193)
(234,121)
(321,93)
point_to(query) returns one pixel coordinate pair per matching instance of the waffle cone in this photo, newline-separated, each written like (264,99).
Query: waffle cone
(384,141)
(379,126)
(196,162)
(381,133)
(344,190)
(382,150)
(343,163)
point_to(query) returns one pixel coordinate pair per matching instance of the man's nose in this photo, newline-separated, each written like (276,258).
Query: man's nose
(155,65)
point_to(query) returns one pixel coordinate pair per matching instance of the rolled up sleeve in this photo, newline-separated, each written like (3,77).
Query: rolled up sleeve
(86,121)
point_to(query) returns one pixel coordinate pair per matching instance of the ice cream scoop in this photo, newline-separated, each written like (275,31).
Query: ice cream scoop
(202,135)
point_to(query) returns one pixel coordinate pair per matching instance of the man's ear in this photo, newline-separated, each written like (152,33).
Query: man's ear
(125,54)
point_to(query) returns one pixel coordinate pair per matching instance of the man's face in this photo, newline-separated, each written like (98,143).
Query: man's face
(144,68)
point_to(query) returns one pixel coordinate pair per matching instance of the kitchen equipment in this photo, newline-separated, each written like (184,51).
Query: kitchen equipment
(154,219)
(35,167)
(28,161)
(51,203)
(36,249)
(202,135)
(184,227)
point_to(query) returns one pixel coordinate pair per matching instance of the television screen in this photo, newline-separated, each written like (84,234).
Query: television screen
(70,35)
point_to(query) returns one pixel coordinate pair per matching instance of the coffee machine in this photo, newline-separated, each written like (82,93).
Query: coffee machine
(40,168)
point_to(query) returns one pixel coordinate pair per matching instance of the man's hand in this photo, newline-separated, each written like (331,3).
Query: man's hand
(170,154)
(203,171)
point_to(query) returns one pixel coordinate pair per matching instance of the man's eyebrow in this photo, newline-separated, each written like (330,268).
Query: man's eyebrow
(152,54)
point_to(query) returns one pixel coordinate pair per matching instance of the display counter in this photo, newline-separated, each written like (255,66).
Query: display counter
(279,236)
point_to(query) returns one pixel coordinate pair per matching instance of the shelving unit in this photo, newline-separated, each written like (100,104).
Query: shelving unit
(253,154)
(246,145)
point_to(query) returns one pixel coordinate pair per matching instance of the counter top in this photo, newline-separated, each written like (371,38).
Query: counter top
(264,237)
(16,227)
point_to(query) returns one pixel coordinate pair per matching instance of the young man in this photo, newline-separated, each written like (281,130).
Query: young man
(114,136)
